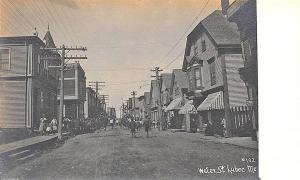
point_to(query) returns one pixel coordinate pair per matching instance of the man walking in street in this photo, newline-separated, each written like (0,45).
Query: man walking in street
(132,126)
(147,125)
(111,121)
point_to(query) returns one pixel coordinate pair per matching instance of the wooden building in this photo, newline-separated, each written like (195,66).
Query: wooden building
(28,86)
(147,108)
(179,87)
(74,92)
(243,13)
(154,102)
(165,96)
(92,104)
(212,60)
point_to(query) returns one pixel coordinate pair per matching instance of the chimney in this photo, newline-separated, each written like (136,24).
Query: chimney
(225,5)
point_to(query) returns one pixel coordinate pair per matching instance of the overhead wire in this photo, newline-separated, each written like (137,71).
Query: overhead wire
(187,30)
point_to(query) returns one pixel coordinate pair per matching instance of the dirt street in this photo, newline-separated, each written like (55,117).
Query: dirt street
(114,154)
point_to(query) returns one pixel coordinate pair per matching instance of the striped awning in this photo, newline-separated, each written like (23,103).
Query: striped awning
(188,108)
(175,104)
(212,101)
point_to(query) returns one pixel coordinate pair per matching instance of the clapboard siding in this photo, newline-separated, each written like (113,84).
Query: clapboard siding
(206,81)
(237,90)
(12,98)
(18,58)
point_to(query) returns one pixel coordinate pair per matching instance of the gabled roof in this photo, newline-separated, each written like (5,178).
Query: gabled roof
(166,80)
(49,40)
(181,78)
(221,31)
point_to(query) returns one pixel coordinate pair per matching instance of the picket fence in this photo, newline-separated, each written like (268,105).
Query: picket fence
(242,119)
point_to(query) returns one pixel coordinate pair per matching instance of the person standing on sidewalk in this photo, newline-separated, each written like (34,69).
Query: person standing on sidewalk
(54,125)
(42,127)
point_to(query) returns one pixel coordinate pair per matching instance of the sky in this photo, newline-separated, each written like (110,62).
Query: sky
(124,38)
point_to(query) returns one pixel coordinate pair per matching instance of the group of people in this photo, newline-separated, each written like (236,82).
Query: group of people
(46,127)
(135,126)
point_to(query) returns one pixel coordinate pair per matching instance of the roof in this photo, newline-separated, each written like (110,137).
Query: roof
(49,40)
(166,79)
(181,78)
(21,40)
(219,28)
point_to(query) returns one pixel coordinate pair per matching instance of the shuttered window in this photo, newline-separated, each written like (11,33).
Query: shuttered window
(4,59)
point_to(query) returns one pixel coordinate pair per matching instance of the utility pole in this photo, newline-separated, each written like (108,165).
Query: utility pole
(157,77)
(62,68)
(133,93)
(96,85)
(104,98)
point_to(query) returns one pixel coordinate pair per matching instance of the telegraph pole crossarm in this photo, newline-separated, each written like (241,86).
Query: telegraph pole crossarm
(62,68)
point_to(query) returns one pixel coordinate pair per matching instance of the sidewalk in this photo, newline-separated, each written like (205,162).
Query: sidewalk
(245,142)
(17,145)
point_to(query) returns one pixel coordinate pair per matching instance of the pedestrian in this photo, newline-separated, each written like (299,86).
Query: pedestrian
(42,127)
(132,127)
(105,123)
(147,124)
(54,125)
(111,121)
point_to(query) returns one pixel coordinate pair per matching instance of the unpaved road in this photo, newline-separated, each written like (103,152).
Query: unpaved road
(113,154)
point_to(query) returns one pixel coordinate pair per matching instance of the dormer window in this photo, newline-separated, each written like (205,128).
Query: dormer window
(203,45)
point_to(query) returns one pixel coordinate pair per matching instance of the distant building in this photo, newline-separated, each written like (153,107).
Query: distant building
(74,92)
(134,107)
(93,104)
(28,86)
(165,95)
(154,101)
(147,107)
(179,87)
(111,112)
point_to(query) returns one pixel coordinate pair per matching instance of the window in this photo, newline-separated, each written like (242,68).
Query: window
(4,58)
(203,45)
(198,77)
(39,64)
(190,76)
(195,49)
(212,71)
(250,93)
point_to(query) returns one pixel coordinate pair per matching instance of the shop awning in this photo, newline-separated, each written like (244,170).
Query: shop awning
(188,108)
(212,101)
(175,104)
